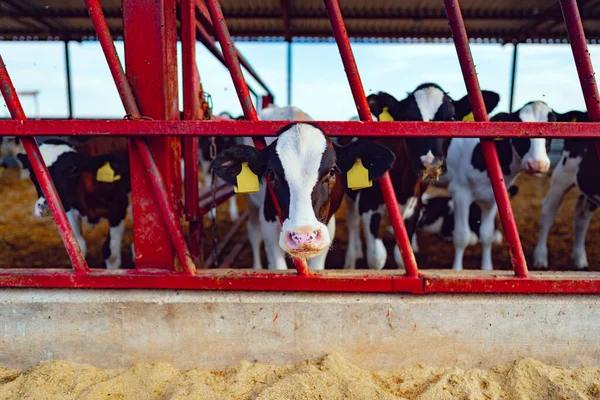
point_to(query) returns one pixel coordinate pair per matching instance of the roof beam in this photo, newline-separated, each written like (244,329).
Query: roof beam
(285,15)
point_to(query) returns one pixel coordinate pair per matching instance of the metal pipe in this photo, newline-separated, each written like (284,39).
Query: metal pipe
(289,72)
(43,176)
(233,64)
(364,112)
(583,62)
(68,72)
(513,76)
(461,41)
(130,105)
(192,93)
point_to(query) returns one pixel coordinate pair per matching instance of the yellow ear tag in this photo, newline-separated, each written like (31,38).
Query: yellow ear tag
(106,174)
(469,117)
(247,181)
(385,116)
(358,176)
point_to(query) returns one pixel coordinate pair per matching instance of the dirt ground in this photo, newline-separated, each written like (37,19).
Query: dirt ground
(27,241)
(333,377)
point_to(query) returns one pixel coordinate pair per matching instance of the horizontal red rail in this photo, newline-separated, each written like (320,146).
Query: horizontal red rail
(328,281)
(270,128)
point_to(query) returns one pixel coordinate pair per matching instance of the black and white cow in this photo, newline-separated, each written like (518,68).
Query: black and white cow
(437,217)
(418,162)
(84,197)
(11,147)
(578,166)
(307,172)
(469,181)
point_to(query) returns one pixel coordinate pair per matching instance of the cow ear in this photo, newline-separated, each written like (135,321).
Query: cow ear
(381,105)
(228,164)
(462,107)
(571,116)
(504,117)
(376,158)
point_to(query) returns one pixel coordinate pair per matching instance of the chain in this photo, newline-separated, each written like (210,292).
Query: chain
(213,187)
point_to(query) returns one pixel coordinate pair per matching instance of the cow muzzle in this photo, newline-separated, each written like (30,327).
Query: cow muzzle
(41,208)
(305,242)
(537,167)
(432,169)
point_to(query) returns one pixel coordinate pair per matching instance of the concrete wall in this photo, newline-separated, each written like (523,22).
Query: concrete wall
(210,329)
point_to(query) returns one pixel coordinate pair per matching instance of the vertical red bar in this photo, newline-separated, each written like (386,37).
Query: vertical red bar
(582,60)
(463,50)
(364,112)
(43,176)
(191,111)
(150,57)
(233,64)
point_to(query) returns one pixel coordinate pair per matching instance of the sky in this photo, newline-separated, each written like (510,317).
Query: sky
(544,72)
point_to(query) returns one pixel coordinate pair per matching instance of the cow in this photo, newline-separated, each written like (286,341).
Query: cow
(90,187)
(469,181)
(418,162)
(11,147)
(577,166)
(437,217)
(307,172)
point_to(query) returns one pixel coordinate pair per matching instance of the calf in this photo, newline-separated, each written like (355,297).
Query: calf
(418,161)
(307,172)
(88,190)
(437,216)
(11,147)
(578,165)
(469,181)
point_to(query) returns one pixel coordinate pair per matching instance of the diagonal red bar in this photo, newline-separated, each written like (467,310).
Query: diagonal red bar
(233,64)
(43,176)
(461,41)
(582,60)
(362,105)
(130,105)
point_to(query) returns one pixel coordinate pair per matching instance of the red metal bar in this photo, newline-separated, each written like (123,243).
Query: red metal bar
(461,41)
(583,62)
(364,112)
(192,93)
(43,176)
(146,216)
(371,129)
(231,57)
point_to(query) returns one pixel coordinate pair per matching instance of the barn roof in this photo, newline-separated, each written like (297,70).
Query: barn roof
(371,20)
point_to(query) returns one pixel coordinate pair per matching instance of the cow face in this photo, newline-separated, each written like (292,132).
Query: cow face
(532,152)
(10,147)
(307,174)
(428,102)
(63,163)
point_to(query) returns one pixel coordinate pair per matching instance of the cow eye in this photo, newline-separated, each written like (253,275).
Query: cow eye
(332,171)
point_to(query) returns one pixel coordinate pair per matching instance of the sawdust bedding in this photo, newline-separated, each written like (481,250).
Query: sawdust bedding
(27,241)
(332,377)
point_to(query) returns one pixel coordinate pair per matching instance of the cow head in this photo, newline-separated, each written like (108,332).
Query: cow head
(307,173)
(532,152)
(66,168)
(428,102)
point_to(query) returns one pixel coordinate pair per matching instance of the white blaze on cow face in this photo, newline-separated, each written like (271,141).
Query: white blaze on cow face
(429,100)
(50,153)
(300,150)
(536,161)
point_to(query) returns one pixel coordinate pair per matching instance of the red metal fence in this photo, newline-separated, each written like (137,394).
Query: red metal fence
(153,126)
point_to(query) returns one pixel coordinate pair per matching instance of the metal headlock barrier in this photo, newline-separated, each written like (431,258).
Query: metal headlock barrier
(149,95)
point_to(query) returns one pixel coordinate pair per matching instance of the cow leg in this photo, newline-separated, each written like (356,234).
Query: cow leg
(354,249)
(111,250)
(486,234)
(23,172)
(75,221)
(563,179)
(254,234)
(376,253)
(414,243)
(233,208)
(317,263)
(462,232)
(584,210)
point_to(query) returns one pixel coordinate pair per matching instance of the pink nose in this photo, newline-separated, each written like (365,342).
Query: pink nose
(304,239)
(537,167)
